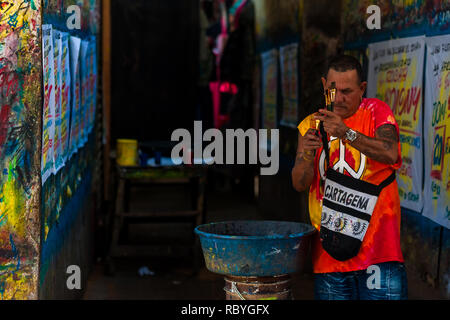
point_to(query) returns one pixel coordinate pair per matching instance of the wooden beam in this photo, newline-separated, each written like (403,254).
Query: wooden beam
(106,77)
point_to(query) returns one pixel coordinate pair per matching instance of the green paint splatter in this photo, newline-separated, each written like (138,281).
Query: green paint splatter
(12,168)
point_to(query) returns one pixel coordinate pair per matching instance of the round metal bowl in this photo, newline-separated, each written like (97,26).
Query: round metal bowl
(255,248)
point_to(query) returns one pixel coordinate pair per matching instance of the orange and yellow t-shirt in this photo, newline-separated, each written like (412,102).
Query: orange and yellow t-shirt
(382,240)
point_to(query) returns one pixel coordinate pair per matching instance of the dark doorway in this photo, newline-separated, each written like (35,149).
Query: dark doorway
(154,67)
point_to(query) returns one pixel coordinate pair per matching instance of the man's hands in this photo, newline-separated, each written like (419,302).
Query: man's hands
(382,148)
(311,141)
(332,123)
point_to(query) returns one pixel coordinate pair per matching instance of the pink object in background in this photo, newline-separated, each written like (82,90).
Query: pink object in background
(219,119)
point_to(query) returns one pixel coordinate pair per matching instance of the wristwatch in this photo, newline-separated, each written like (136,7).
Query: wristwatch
(351,135)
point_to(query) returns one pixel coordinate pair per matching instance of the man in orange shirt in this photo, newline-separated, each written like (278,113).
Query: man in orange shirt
(363,153)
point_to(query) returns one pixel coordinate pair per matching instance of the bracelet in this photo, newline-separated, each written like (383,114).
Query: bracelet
(307,158)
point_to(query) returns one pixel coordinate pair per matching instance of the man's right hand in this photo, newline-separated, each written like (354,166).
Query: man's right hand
(311,141)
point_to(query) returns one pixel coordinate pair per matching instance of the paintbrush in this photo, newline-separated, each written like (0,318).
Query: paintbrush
(330,97)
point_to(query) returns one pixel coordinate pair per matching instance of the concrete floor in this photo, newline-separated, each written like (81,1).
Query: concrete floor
(173,278)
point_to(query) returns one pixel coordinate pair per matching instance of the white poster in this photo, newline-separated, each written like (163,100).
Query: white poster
(269,89)
(437,131)
(93,82)
(65,94)
(57,147)
(84,114)
(48,114)
(74,135)
(289,84)
(396,77)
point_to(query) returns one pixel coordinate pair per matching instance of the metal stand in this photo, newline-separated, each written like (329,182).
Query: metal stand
(195,177)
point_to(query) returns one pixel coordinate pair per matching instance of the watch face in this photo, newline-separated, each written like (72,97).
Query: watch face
(351,135)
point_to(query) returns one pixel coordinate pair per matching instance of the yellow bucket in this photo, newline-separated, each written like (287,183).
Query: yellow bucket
(127,152)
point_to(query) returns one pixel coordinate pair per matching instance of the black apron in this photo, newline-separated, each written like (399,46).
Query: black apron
(347,208)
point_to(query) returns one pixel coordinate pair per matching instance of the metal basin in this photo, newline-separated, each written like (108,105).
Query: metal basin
(255,248)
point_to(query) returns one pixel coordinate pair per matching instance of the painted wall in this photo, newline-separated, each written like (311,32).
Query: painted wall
(20,121)
(37,223)
(277,22)
(400,18)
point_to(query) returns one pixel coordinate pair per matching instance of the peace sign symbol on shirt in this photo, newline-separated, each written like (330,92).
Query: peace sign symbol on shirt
(341,164)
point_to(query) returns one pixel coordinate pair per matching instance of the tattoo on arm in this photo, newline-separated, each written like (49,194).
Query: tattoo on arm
(382,148)
(388,134)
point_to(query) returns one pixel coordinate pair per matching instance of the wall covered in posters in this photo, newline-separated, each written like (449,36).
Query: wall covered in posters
(20,121)
(424,228)
(401,20)
(396,76)
(437,131)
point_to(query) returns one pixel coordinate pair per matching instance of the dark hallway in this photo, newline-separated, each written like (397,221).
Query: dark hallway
(224,150)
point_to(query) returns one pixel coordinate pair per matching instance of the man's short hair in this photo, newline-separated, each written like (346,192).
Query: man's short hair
(342,63)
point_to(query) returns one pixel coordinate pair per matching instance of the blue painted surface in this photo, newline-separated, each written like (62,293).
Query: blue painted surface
(58,234)
(255,248)
(61,210)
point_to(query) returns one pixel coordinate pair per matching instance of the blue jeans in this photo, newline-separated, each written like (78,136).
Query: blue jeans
(384,281)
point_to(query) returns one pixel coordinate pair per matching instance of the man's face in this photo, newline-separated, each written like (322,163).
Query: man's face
(349,91)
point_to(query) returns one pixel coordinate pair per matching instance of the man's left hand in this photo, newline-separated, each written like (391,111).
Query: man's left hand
(332,123)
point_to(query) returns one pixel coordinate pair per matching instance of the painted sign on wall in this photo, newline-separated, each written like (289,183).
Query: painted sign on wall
(57,150)
(437,131)
(65,95)
(396,77)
